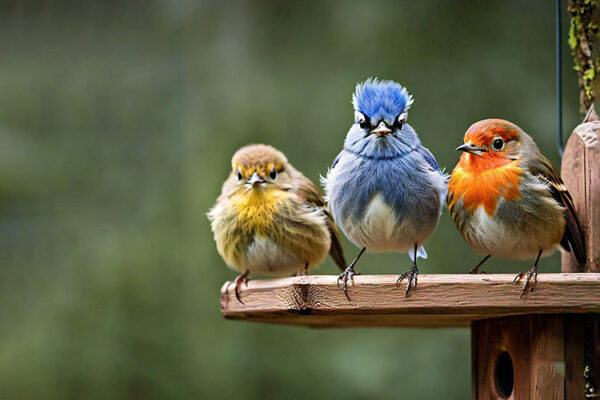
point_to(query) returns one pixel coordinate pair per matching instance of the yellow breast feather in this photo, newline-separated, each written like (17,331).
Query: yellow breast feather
(274,214)
(254,210)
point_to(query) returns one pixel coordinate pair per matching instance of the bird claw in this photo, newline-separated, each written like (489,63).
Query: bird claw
(303,271)
(475,271)
(411,274)
(348,273)
(530,276)
(239,281)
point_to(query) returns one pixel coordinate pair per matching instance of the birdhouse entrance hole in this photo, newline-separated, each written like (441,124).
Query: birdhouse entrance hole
(504,375)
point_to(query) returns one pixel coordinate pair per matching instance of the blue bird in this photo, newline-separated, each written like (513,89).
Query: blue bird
(385,190)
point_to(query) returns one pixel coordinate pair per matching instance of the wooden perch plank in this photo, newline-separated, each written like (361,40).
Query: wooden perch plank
(439,301)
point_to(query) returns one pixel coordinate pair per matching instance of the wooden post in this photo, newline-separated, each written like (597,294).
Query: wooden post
(581,174)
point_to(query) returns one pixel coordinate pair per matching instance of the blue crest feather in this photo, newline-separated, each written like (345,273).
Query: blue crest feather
(381,99)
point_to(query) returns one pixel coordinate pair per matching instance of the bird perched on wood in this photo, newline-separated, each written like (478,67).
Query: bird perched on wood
(270,219)
(508,201)
(385,190)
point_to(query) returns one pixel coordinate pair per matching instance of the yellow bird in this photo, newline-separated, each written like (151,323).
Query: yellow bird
(270,219)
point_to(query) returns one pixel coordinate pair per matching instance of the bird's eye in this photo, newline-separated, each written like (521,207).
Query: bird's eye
(362,120)
(239,174)
(498,144)
(399,123)
(273,174)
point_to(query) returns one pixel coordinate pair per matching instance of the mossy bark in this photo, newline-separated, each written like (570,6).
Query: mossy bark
(583,41)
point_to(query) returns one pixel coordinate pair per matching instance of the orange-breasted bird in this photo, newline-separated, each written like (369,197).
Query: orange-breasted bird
(270,219)
(508,201)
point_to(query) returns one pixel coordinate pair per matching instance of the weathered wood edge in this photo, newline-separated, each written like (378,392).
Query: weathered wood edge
(581,174)
(439,301)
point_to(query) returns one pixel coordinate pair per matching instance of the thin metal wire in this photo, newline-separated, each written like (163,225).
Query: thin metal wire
(559,79)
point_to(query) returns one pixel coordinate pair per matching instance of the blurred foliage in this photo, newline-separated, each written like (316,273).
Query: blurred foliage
(117,124)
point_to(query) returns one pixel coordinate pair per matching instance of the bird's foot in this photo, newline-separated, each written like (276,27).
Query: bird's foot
(530,276)
(411,274)
(344,276)
(239,281)
(303,271)
(476,271)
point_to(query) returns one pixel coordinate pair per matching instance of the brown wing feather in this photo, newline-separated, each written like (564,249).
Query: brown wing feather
(573,237)
(309,191)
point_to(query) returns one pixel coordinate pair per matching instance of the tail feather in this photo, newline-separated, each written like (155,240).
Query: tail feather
(573,239)
(336,251)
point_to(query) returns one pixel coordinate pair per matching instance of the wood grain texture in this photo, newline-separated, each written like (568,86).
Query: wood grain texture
(581,174)
(575,357)
(439,301)
(474,360)
(499,335)
(547,357)
(591,352)
(549,353)
(535,344)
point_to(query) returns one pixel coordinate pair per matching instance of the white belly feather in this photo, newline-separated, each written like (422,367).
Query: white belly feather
(264,256)
(380,230)
(487,236)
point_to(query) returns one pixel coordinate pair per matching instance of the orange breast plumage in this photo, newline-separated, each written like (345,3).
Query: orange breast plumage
(475,187)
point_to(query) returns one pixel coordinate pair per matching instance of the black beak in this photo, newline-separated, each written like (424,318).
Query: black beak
(470,148)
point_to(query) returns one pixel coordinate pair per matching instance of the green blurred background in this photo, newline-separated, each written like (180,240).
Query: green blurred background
(117,124)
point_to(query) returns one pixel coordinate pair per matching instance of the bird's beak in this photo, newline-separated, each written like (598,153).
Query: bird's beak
(255,180)
(471,148)
(382,129)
